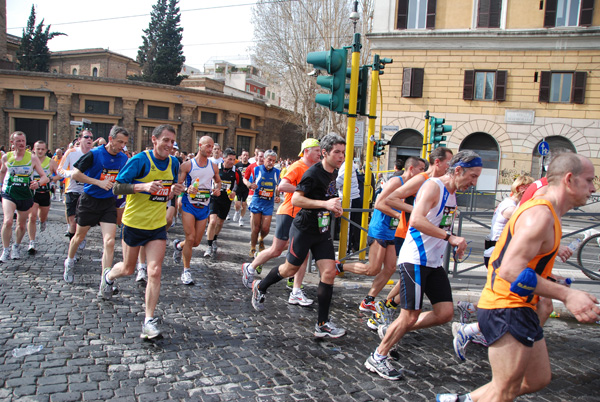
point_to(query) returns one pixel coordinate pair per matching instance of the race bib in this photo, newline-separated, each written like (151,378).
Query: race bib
(109,175)
(264,194)
(20,181)
(201,198)
(225,185)
(394,222)
(324,219)
(162,195)
(448,218)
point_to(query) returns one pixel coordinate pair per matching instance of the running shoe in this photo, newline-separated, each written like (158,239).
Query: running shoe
(210,252)
(236,216)
(382,330)
(368,307)
(258,297)
(374,322)
(247,275)
(261,245)
(215,246)
(258,269)
(479,339)
(386,313)
(186,277)
(31,250)
(252,252)
(290,283)
(5,257)
(82,245)
(69,275)
(106,290)
(176,252)
(465,309)
(15,253)
(42,226)
(329,329)
(383,367)
(453,398)
(300,298)
(142,274)
(241,223)
(460,341)
(150,330)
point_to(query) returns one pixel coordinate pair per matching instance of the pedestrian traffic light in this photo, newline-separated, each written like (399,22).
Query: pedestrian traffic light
(438,128)
(363,87)
(379,148)
(334,62)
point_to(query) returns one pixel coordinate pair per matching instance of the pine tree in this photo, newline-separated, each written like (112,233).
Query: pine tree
(161,53)
(34,54)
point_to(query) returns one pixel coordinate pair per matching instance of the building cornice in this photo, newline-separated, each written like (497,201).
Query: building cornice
(521,39)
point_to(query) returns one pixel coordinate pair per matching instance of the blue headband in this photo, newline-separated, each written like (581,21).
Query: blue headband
(476,162)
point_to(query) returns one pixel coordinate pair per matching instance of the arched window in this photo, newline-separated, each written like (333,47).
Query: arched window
(95,72)
(404,143)
(74,71)
(557,144)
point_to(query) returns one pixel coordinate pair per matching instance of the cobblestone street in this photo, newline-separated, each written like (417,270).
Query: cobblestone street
(216,347)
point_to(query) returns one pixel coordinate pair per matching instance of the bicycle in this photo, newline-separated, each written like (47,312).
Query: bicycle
(588,257)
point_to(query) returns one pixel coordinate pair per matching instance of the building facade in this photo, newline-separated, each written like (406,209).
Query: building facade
(506,75)
(44,105)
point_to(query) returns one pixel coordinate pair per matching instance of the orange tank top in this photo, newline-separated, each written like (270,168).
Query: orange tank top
(403,224)
(496,294)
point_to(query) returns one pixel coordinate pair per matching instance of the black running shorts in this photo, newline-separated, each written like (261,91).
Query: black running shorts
(282,226)
(522,323)
(91,211)
(418,280)
(320,245)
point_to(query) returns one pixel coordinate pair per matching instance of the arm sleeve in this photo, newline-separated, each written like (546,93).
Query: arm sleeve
(85,162)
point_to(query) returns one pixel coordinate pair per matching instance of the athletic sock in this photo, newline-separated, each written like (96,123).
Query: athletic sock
(471,329)
(210,242)
(391,303)
(148,319)
(215,237)
(378,357)
(324,295)
(369,299)
(272,278)
(106,279)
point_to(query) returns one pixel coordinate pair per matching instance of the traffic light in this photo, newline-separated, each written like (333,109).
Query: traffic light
(78,130)
(379,148)
(438,128)
(363,87)
(334,62)
(380,62)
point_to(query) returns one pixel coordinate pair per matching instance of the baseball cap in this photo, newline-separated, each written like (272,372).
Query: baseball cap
(308,143)
(175,146)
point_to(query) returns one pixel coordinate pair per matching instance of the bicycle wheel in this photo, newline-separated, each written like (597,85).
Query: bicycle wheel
(588,257)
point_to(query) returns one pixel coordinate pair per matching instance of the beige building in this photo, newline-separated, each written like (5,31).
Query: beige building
(43,105)
(506,75)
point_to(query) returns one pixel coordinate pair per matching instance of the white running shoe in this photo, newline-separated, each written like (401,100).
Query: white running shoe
(69,275)
(460,341)
(186,277)
(241,221)
(236,216)
(15,253)
(5,257)
(465,310)
(210,252)
(142,274)
(300,298)
(150,330)
(82,245)
(247,275)
(176,251)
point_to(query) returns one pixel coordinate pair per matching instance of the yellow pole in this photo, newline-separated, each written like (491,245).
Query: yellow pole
(350,144)
(425,136)
(367,195)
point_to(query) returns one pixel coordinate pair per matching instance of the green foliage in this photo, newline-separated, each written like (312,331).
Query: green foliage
(161,53)
(33,54)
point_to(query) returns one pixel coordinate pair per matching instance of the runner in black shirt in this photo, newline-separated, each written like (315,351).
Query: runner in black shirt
(317,196)
(242,190)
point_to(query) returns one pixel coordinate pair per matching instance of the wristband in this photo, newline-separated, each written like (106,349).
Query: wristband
(525,283)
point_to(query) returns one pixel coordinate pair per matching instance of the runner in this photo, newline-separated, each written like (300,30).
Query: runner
(421,258)
(310,154)
(17,192)
(263,181)
(219,206)
(41,197)
(260,160)
(242,191)
(310,231)
(198,176)
(217,155)
(523,257)
(60,184)
(148,180)
(98,170)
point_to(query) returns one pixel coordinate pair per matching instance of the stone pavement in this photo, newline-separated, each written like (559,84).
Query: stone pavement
(217,348)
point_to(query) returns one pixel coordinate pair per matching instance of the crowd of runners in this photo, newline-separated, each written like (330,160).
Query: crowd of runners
(108,186)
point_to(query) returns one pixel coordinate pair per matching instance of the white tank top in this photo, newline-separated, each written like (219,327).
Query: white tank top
(204,174)
(421,249)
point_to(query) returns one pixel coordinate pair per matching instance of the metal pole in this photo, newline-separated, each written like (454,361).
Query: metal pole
(350,144)
(425,136)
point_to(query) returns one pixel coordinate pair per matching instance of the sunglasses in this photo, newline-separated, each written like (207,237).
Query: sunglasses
(88,137)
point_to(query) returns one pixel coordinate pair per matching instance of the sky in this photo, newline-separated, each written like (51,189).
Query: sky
(221,29)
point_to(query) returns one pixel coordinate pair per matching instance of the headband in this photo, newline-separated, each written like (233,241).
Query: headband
(475,162)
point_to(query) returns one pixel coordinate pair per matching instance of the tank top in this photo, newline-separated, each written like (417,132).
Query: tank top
(36,177)
(382,226)
(18,176)
(403,224)
(496,293)
(205,175)
(267,181)
(425,250)
(148,211)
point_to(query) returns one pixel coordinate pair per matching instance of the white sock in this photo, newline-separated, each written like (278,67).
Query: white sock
(378,357)
(471,329)
(142,266)
(148,319)
(296,291)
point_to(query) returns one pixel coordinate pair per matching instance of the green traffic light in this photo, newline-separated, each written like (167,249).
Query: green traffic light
(333,61)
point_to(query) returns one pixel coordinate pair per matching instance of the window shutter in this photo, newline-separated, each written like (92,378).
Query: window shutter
(416,90)
(430,23)
(579,79)
(586,13)
(483,17)
(500,90)
(495,12)
(550,15)
(544,95)
(406,82)
(402,17)
(468,87)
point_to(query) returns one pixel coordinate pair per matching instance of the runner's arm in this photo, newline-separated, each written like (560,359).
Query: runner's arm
(3,170)
(381,203)
(37,166)
(286,186)
(396,198)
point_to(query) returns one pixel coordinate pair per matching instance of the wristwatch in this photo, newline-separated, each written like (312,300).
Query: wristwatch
(448,234)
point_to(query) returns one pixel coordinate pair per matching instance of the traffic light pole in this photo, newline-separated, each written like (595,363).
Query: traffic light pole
(425,136)
(350,144)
